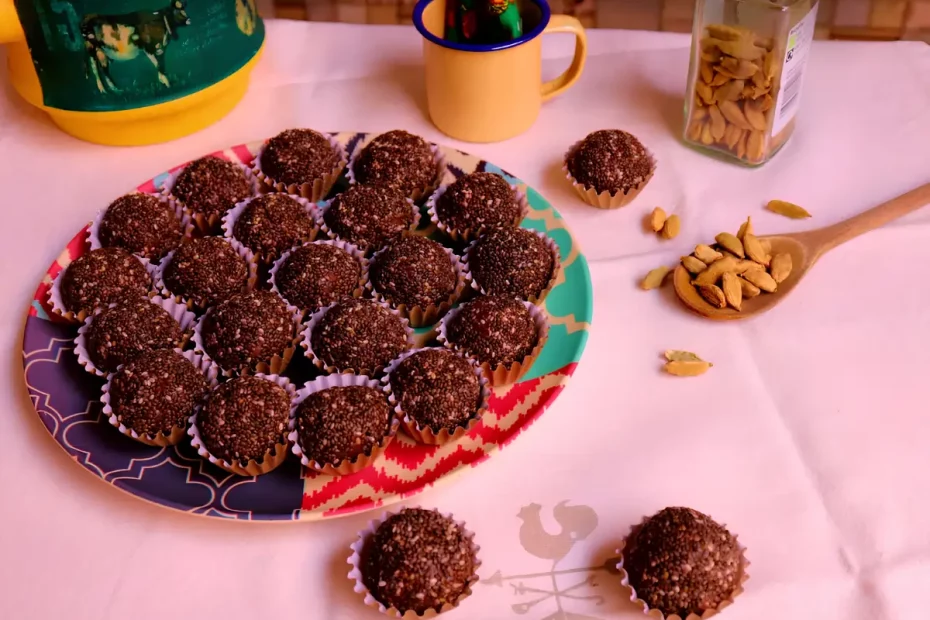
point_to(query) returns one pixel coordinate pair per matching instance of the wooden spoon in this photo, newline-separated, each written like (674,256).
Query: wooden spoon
(805,248)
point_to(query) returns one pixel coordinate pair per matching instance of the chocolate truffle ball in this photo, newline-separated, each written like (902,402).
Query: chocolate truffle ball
(398,159)
(418,560)
(244,419)
(156,392)
(511,261)
(495,329)
(212,186)
(316,275)
(359,335)
(206,271)
(272,224)
(437,388)
(298,156)
(477,202)
(369,217)
(414,271)
(121,333)
(140,223)
(681,561)
(246,329)
(101,277)
(610,160)
(342,422)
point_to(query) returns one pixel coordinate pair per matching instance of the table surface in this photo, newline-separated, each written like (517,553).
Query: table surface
(808,438)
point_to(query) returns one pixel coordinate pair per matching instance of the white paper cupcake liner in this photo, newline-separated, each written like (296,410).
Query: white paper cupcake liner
(439,159)
(470,235)
(241,250)
(355,575)
(535,299)
(606,200)
(337,243)
(210,372)
(202,224)
(232,216)
(57,303)
(502,374)
(187,224)
(314,191)
(359,462)
(271,459)
(179,312)
(306,343)
(366,249)
(425,434)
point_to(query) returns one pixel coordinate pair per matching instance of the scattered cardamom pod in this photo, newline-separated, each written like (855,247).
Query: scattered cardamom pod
(687,368)
(672,227)
(657,219)
(682,356)
(787,209)
(654,278)
(731,244)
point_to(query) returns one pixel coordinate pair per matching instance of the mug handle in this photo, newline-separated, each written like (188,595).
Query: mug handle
(567,23)
(10,29)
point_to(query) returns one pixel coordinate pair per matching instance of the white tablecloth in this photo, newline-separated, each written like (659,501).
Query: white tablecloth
(809,437)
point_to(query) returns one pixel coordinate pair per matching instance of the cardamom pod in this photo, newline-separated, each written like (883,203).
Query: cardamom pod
(718,125)
(687,368)
(755,251)
(732,112)
(787,209)
(761,279)
(682,356)
(713,295)
(693,264)
(732,290)
(731,244)
(745,227)
(750,290)
(672,227)
(657,219)
(706,254)
(715,270)
(781,267)
(654,278)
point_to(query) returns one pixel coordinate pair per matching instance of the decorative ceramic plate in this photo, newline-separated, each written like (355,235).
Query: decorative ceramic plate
(67,401)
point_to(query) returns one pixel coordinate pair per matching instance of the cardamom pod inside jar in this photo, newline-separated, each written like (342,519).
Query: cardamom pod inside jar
(747,70)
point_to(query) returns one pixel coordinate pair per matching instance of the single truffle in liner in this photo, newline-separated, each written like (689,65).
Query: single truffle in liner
(511,261)
(156,392)
(246,329)
(298,156)
(142,224)
(119,334)
(414,271)
(342,422)
(101,277)
(369,217)
(399,159)
(272,224)
(477,202)
(418,560)
(494,329)
(437,388)
(211,186)
(681,561)
(206,271)
(358,334)
(244,419)
(316,275)
(610,160)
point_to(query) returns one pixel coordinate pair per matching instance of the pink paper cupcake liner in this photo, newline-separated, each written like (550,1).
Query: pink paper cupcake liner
(605,200)
(534,299)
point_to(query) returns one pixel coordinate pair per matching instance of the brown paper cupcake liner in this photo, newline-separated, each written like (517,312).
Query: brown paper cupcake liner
(337,243)
(356,560)
(418,195)
(345,466)
(656,613)
(204,225)
(57,303)
(503,374)
(306,343)
(178,312)
(275,366)
(187,223)
(469,235)
(241,250)
(315,191)
(606,200)
(271,459)
(422,316)
(425,434)
(210,372)
(365,249)
(232,216)
(534,299)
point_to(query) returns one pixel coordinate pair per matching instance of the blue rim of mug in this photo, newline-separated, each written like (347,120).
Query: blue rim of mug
(545,15)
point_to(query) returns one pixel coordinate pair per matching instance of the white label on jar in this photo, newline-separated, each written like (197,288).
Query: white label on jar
(792,75)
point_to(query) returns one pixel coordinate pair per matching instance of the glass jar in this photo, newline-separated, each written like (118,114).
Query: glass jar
(746,74)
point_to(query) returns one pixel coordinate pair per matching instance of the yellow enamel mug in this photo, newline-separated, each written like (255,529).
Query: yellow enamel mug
(487,93)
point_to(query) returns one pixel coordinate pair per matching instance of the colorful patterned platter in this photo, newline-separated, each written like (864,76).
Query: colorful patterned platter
(67,401)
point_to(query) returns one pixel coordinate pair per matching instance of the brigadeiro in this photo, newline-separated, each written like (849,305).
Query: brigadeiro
(609,168)
(417,276)
(96,279)
(151,398)
(440,394)
(302,162)
(271,224)
(208,188)
(680,561)
(475,203)
(243,426)
(206,271)
(416,560)
(356,335)
(401,160)
(251,331)
(318,274)
(344,422)
(140,223)
(514,262)
(369,217)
